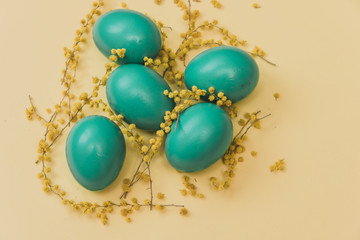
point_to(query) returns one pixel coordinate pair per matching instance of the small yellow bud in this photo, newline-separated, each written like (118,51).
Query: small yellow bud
(144,149)
(200,195)
(157,62)
(183,192)
(178,76)
(183,211)
(173,116)
(276,96)
(255,5)
(160,195)
(113,58)
(220,103)
(228,103)
(167,129)
(211,98)
(83,96)
(211,89)
(160,133)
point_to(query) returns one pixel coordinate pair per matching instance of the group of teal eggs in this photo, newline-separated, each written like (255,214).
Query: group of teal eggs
(95,147)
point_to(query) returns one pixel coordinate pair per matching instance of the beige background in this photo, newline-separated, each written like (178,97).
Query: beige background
(314,126)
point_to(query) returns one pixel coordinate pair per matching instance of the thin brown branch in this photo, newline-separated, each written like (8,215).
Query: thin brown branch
(188,35)
(73,117)
(177,121)
(150,184)
(243,127)
(252,124)
(124,195)
(189,13)
(255,54)
(35,111)
(167,27)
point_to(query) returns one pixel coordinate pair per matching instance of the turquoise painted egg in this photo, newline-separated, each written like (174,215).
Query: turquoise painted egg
(132,30)
(228,69)
(136,92)
(202,136)
(95,152)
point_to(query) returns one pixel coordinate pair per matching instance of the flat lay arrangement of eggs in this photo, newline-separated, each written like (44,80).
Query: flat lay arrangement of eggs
(95,147)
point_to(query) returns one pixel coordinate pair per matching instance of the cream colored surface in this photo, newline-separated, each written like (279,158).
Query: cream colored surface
(314,126)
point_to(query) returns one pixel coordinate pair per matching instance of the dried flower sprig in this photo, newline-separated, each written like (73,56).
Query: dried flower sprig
(278,166)
(190,188)
(231,158)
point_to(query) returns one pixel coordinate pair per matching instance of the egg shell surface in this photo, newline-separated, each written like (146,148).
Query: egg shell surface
(129,29)
(136,92)
(95,152)
(228,69)
(202,136)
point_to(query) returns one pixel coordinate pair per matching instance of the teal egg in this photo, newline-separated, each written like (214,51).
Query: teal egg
(202,136)
(124,28)
(136,92)
(228,69)
(95,152)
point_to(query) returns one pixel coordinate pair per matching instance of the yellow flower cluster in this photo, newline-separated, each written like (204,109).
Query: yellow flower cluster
(185,98)
(278,166)
(220,98)
(258,52)
(256,5)
(181,4)
(116,54)
(231,157)
(216,4)
(276,96)
(101,211)
(252,119)
(184,211)
(124,5)
(30,112)
(72,59)
(190,188)
(165,62)
(160,195)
